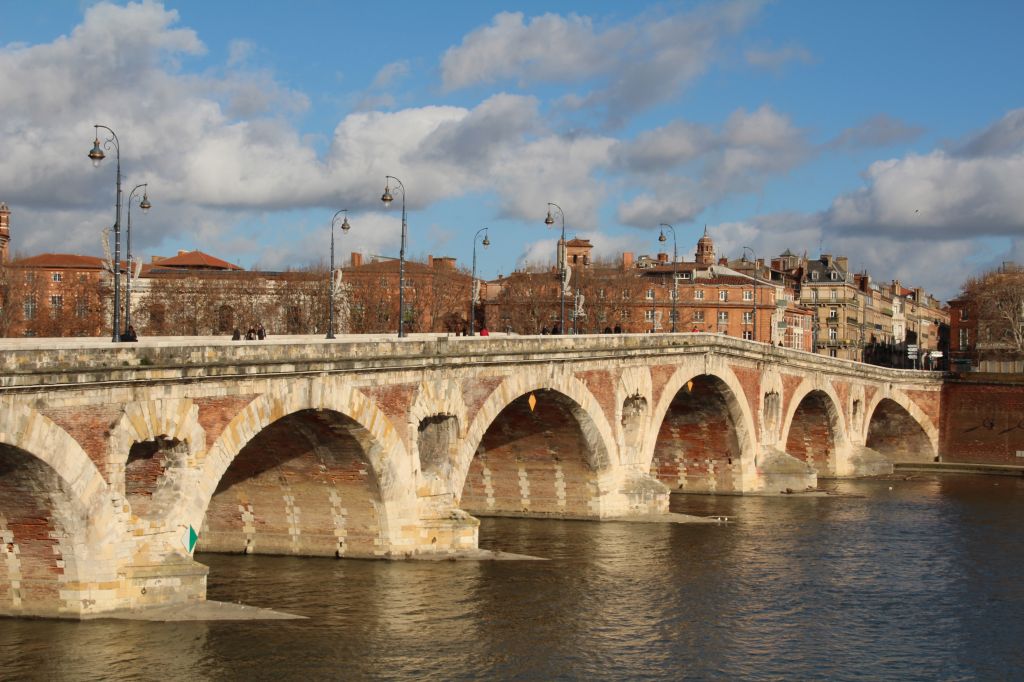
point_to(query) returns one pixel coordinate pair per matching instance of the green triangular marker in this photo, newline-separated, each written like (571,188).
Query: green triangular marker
(189,539)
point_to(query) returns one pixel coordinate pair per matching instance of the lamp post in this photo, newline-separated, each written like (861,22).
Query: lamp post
(549,221)
(387,199)
(472,284)
(97,155)
(345,227)
(675,280)
(754,256)
(145,206)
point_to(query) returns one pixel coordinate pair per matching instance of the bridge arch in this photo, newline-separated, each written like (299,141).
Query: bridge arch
(895,426)
(317,468)
(814,428)
(58,530)
(150,449)
(702,431)
(549,459)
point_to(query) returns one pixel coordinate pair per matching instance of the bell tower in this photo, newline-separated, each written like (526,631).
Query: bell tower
(705,249)
(5,232)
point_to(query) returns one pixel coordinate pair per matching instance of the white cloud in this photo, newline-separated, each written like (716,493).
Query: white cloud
(389,74)
(239,52)
(774,60)
(631,66)
(878,131)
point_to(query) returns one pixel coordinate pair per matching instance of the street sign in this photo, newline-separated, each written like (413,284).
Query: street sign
(911,347)
(189,539)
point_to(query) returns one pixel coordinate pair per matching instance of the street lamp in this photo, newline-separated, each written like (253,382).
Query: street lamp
(549,221)
(345,227)
(387,199)
(97,155)
(472,284)
(754,256)
(145,206)
(675,279)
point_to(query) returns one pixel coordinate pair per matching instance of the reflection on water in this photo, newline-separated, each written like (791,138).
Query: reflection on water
(917,581)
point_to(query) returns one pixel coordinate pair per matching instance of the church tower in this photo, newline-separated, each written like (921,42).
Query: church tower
(705,249)
(5,232)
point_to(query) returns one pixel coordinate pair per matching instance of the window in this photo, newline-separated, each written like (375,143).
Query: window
(81,277)
(649,315)
(674,316)
(963,314)
(698,315)
(625,295)
(748,335)
(81,310)
(834,295)
(723,295)
(56,302)
(832,352)
(748,295)
(833,334)
(814,276)
(684,275)
(723,315)
(833,275)
(30,308)
(965,338)
(814,294)
(698,294)
(833,313)
(748,317)
(56,276)
(600,294)
(384,282)
(650,294)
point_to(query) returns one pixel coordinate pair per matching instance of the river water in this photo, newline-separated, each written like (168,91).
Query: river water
(907,579)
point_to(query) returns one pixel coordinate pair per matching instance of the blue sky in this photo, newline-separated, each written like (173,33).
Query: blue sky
(891,132)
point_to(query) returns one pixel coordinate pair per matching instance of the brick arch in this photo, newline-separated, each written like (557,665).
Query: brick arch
(736,404)
(834,413)
(913,410)
(597,431)
(151,485)
(382,448)
(27,430)
(59,530)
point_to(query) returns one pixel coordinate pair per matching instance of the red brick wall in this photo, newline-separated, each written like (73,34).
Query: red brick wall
(90,426)
(27,491)
(982,422)
(549,447)
(281,485)
(810,435)
(697,449)
(894,433)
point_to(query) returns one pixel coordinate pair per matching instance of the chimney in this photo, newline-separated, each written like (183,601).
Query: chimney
(627,260)
(662,257)
(182,252)
(156,259)
(723,261)
(843,262)
(357,259)
(430,261)
(443,262)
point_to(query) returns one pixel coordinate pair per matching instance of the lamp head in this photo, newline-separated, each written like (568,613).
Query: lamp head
(345,227)
(96,154)
(144,204)
(661,237)
(549,221)
(386,197)
(486,242)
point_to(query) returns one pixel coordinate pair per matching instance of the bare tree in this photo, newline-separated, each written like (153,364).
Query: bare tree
(998,298)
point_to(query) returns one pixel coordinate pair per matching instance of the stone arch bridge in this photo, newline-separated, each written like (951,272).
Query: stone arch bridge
(387,448)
